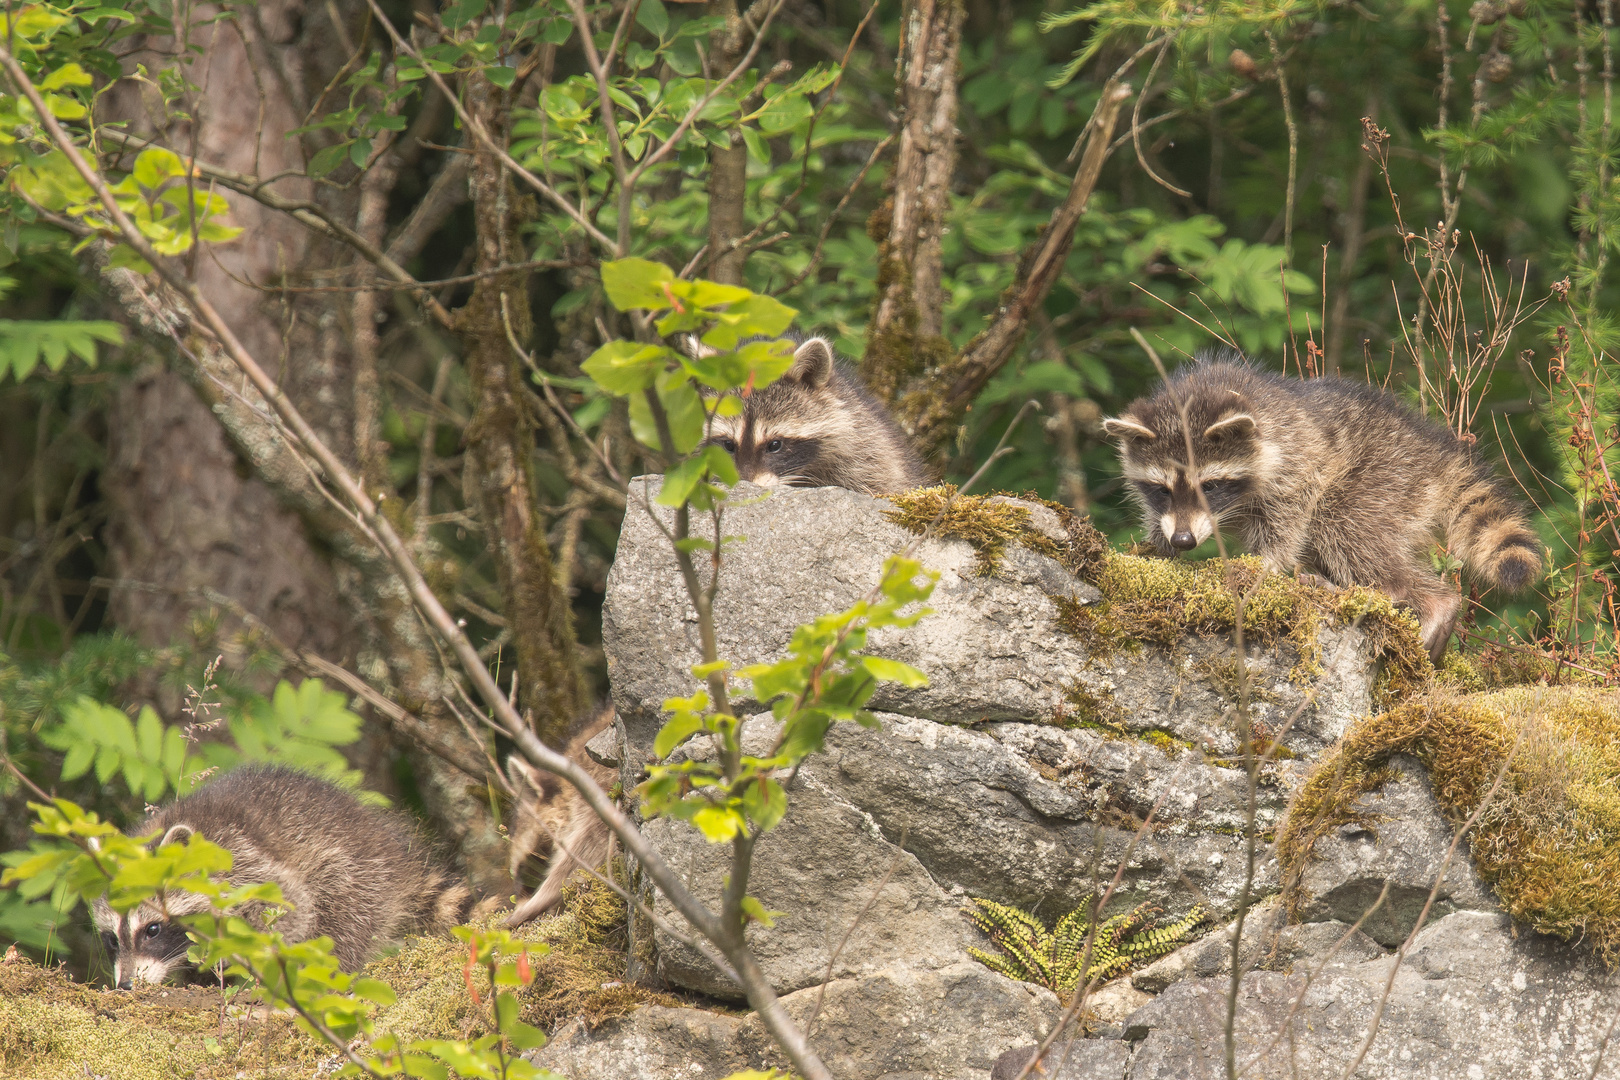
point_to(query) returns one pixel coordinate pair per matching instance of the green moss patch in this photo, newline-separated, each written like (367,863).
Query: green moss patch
(51,1026)
(1159,601)
(582,975)
(990,523)
(1548,842)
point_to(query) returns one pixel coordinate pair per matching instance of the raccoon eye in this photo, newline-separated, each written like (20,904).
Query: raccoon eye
(1210,487)
(109,941)
(153,929)
(774,446)
(730,445)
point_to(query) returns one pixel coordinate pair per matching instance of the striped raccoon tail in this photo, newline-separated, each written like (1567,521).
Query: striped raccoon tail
(1489,530)
(446,900)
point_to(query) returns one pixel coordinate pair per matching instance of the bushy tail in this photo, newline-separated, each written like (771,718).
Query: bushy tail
(1488,529)
(449,901)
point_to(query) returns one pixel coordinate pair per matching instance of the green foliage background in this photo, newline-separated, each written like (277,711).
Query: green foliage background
(1191,234)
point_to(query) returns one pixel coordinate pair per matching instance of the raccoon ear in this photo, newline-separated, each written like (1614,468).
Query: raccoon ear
(1238,425)
(177,834)
(693,346)
(812,363)
(1124,427)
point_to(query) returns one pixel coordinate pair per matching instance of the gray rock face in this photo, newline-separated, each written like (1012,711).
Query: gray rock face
(992,648)
(897,1022)
(1404,843)
(1470,1001)
(967,789)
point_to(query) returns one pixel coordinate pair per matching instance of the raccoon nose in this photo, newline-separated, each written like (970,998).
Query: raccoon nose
(127,984)
(1183,540)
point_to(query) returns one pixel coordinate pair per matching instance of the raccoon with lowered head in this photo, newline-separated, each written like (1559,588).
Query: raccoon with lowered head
(356,874)
(817,426)
(1323,475)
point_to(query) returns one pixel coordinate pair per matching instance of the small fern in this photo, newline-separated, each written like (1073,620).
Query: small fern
(1032,953)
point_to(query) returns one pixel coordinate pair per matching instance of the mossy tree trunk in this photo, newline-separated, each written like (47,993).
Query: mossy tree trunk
(501,445)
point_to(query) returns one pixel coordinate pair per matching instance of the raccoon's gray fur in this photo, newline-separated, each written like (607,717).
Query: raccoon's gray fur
(356,874)
(817,426)
(1324,475)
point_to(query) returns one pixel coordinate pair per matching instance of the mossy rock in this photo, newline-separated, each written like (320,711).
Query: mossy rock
(1545,764)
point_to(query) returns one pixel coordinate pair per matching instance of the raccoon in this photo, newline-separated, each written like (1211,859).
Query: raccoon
(356,874)
(1323,475)
(548,808)
(817,426)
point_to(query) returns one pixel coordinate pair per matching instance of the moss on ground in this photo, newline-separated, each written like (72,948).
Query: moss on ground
(582,975)
(1548,841)
(51,1026)
(990,523)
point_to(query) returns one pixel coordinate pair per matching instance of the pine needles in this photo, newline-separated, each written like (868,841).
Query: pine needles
(1032,953)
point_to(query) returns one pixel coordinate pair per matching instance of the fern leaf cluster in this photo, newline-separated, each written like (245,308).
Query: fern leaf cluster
(1053,958)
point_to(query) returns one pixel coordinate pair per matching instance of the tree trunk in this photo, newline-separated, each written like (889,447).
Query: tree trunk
(258,76)
(728,160)
(500,448)
(906,335)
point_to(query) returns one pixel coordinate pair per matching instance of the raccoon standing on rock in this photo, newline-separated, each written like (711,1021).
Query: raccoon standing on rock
(1323,475)
(356,874)
(817,426)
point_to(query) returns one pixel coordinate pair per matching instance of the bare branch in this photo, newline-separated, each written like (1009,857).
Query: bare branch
(474,125)
(931,411)
(307,213)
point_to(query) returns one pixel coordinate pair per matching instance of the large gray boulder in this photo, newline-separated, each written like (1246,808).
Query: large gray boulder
(993,649)
(983,785)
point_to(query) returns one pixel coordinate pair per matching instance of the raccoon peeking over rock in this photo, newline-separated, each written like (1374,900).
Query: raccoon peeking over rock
(1323,475)
(354,873)
(817,426)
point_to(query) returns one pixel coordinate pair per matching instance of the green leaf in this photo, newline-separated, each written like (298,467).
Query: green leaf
(502,77)
(638,283)
(359,151)
(626,367)
(156,165)
(765,803)
(894,671)
(785,110)
(328,159)
(676,731)
(374,990)
(66,75)
(718,824)
(679,481)
(721,465)
(653,18)
(525,1036)
(756,911)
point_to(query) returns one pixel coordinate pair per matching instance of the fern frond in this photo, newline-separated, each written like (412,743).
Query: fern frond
(1053,958)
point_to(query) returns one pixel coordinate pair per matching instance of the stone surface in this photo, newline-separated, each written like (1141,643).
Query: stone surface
(899,1022)
(967,789)
(1471,1000)
(1079,1059)
(1034,816)
(1403,840)
(992,648)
